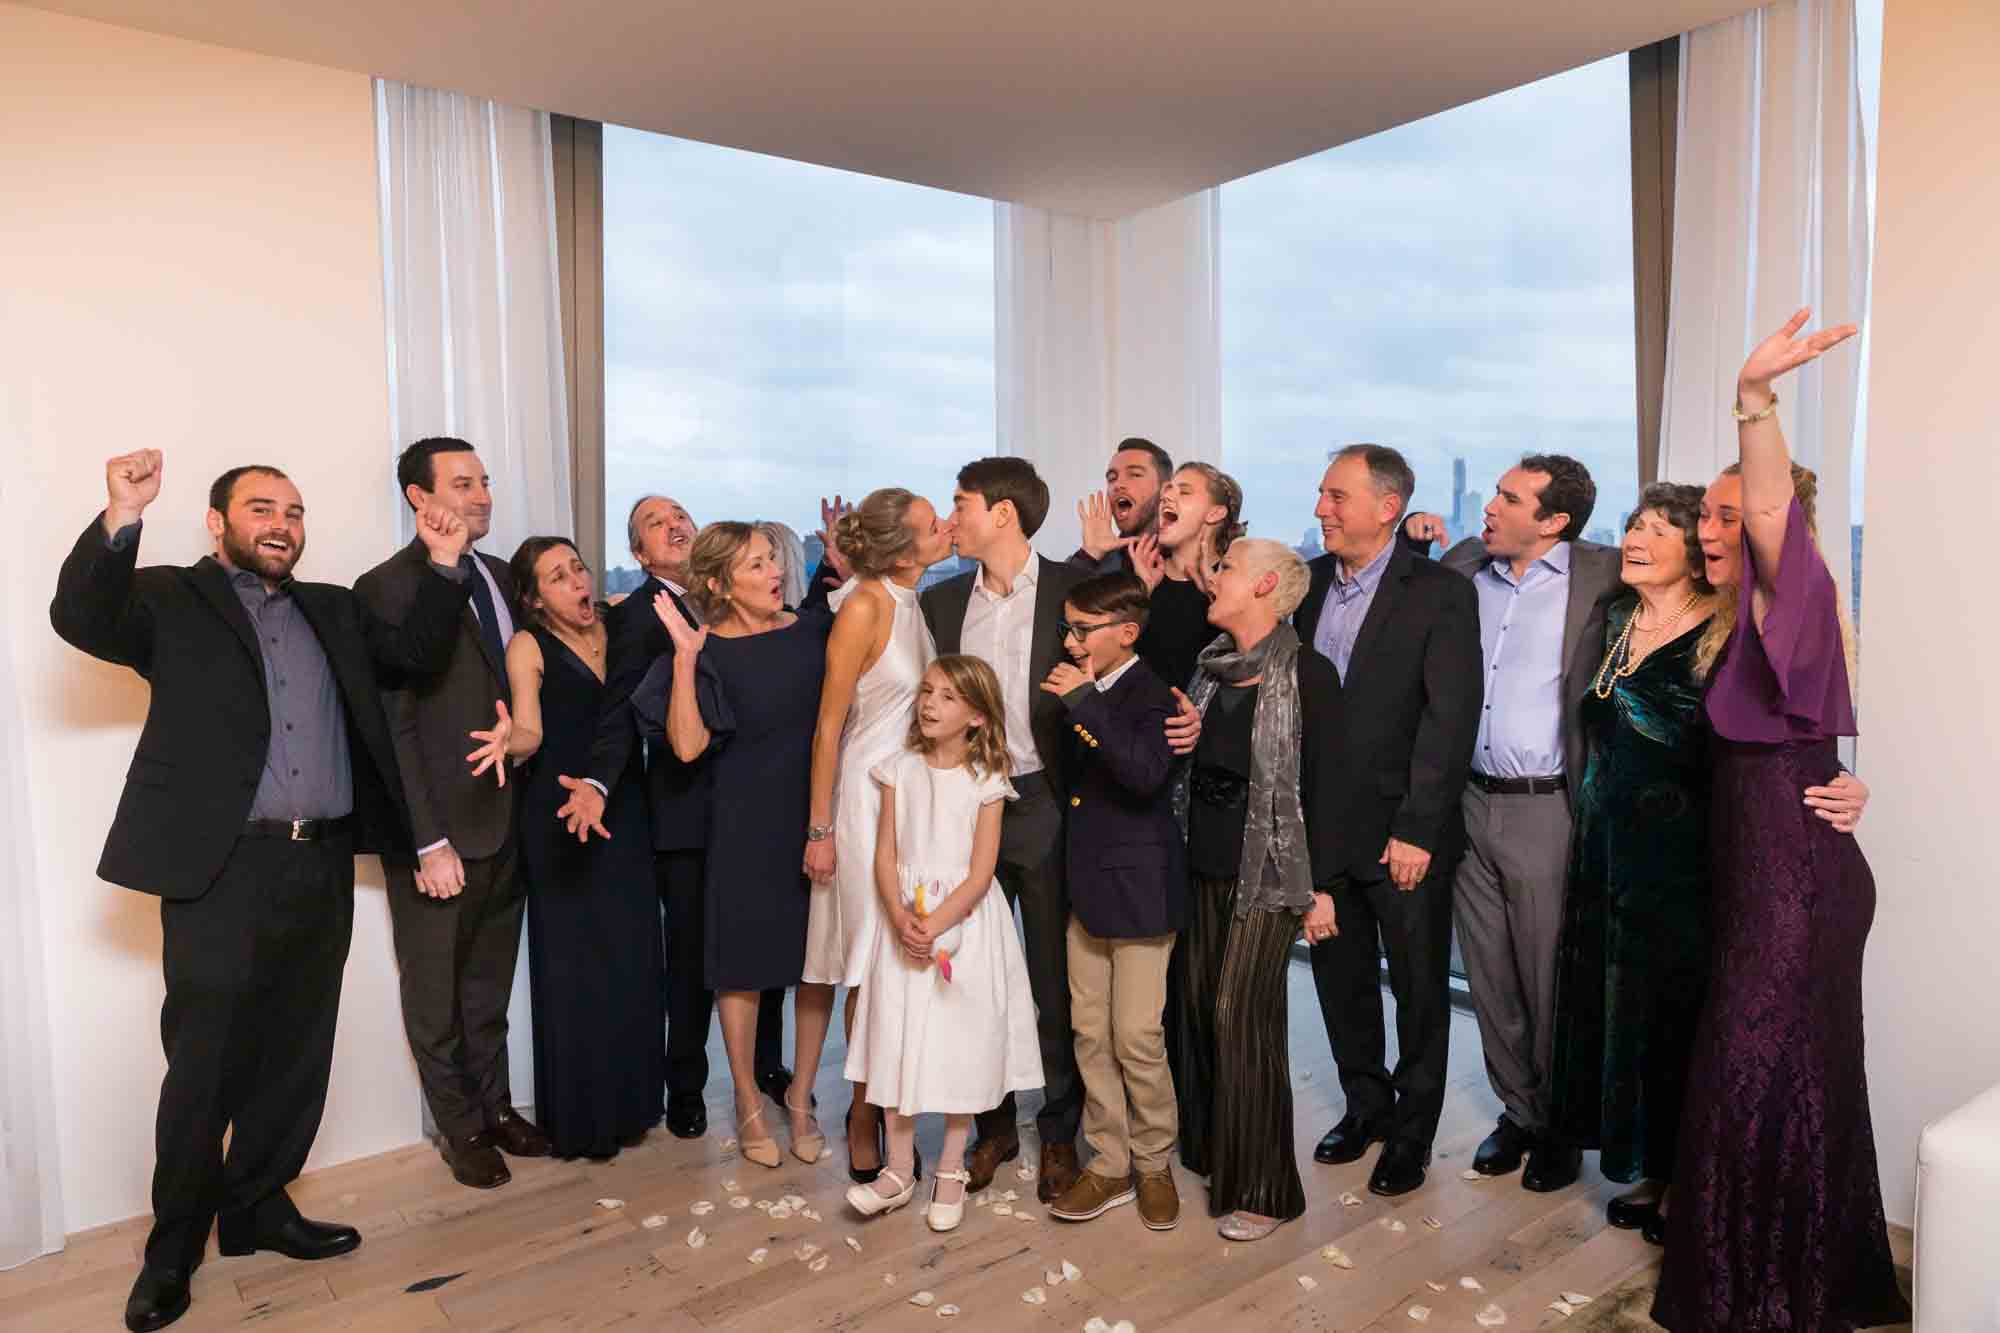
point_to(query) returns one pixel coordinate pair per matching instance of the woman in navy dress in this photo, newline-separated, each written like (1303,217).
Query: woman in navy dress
(1776,1221)
(743,691)
(593,921)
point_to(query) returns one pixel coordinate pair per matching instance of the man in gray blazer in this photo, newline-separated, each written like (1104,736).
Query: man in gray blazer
(1542,595)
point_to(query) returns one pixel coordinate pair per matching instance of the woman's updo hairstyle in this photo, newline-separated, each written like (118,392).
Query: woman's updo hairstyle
(712,557)
(875,535)
(1223,490)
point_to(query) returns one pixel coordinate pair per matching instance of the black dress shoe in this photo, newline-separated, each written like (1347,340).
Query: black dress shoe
(517,1136)
(1551,1166)
(775,1083)
(687,1122)
(159,1296)
(1346,1141)
(1655,1229)
(1502,1150)
(1399,1169)
(1631,1214)
(474,1161)
(295,1237)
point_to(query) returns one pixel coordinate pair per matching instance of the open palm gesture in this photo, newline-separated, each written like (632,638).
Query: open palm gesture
(1785,351)
(688,639)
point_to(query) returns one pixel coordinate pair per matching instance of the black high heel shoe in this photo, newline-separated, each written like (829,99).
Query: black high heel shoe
(865,1175)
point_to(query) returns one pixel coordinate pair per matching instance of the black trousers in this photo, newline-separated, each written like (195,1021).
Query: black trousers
(1414,931)
(456,961)
(253,971)
(1030,872)
(690,1005)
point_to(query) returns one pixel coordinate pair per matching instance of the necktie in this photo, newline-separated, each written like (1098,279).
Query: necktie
(482,605)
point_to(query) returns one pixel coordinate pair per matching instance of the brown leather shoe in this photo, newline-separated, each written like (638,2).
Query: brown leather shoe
(985,1158)
(1091,1195)
(517,1136)
(1159,1201)
(1058,1172)
(474,1161)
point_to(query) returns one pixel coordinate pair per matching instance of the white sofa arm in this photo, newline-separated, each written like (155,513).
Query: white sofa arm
(1957,1265)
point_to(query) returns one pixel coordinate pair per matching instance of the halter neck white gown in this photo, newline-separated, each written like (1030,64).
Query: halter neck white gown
(840,928)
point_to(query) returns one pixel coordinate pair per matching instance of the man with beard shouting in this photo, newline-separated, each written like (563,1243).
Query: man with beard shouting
(264,766)
(1115,518)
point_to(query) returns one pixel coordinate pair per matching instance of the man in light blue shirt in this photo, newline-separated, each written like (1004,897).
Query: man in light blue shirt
(1541,605)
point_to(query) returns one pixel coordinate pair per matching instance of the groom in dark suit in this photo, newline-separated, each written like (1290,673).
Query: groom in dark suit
(1404,635)
(264,766)
(660,534)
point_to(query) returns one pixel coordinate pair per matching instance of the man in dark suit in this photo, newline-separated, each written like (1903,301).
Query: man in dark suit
(1404,635)
(1542,595)
(1125,510)
(264,765)
(661,534)
(457,915)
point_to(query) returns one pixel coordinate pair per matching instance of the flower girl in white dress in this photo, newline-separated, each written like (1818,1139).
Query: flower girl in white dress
(945,1021)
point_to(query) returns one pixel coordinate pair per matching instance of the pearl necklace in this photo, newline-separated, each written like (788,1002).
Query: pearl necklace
(1619,664)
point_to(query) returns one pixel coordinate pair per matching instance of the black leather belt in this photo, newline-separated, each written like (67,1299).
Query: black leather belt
(298,830)
(1520,786)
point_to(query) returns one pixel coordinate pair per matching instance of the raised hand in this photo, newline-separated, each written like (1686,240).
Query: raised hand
(493,754)
(687,639)
(1067,676)
(1147,561)
(131,482)
(1782,352)
(830,514)
(1425,528)
(583,812)
(442,533)
(1100,529)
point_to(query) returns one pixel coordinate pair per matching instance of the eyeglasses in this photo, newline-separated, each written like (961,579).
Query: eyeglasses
(1082,632)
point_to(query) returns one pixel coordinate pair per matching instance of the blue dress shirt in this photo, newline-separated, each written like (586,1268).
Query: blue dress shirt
(1346,608)
(1520,645)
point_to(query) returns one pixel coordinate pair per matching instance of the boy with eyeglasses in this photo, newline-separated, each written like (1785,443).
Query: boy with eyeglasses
(1127,870)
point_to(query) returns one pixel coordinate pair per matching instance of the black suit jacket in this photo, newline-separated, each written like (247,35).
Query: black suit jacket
(1410,703)
(1594,584)
(944,605)
(432,714)
(208,726)
(1127,857)
(677,794)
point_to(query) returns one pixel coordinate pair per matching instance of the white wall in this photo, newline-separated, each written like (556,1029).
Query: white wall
(1930,715)
(191,262)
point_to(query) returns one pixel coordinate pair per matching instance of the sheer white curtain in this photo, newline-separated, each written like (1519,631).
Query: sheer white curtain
(475,321)
(31,1216)
(1770,214)
(1103,330)
(475,329)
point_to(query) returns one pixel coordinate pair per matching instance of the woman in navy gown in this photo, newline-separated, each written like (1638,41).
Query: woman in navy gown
(743,691)
(1777,1220)
(593,921)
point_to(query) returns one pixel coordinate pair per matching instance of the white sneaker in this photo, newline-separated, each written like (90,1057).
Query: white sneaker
(868,1201)
(947,1216)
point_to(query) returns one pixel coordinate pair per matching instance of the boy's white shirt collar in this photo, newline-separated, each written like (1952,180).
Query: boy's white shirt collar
(1106,682)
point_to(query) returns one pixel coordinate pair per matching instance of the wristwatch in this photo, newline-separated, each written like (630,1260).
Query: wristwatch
(818,832)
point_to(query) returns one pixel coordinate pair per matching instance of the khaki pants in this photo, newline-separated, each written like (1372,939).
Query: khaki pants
(1117,993)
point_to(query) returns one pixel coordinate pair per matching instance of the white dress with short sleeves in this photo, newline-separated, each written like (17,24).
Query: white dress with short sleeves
(922,1043)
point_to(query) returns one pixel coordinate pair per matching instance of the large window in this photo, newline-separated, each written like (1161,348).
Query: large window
(777,332)
(1459,288)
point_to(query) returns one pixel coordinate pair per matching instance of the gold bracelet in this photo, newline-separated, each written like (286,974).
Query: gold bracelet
(1746,418)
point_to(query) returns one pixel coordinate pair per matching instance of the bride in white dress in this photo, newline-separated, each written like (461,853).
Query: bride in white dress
(875,660)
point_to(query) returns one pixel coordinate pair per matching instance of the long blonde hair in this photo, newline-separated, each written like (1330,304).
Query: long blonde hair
(1728,597)
(986,745)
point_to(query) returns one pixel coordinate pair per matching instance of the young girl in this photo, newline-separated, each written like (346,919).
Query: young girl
(946,1022)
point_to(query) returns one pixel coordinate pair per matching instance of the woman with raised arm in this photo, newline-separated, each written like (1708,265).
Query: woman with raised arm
(743,692)
(1777,1217)
(875,660)
(1200,509)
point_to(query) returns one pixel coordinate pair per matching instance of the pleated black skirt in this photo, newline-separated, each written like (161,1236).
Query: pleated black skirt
(1235,1081)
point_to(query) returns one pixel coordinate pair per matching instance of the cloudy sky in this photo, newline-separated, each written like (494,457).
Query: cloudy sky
(1458,287)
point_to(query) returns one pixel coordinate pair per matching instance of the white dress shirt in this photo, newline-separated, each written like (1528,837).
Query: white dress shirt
(1104,683)
(1001,631)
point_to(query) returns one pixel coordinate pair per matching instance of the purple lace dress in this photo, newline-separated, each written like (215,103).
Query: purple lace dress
(1776,1217)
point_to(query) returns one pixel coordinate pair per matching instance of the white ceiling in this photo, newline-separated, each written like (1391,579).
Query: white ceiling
(1100,107)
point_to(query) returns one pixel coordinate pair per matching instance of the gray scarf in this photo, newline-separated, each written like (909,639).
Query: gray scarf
(1276,872)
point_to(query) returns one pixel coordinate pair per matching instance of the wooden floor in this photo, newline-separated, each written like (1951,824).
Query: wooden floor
(546,1252)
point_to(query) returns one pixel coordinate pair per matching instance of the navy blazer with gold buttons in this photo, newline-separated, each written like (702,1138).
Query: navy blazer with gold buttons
(1127,858)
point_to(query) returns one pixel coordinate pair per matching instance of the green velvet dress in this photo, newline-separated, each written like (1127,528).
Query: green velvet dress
(1634,961)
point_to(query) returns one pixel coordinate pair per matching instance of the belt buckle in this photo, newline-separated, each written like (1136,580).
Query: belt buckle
(298,830)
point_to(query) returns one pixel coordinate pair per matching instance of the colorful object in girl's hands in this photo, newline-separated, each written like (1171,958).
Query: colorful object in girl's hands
(924,909)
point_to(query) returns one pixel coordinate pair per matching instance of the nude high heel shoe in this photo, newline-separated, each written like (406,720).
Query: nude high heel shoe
(809,1146)
(764,1150)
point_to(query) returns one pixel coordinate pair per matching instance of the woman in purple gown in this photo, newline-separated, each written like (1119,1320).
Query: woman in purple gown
(1777,1209)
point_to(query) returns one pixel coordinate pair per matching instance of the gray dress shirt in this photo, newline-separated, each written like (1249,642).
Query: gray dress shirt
(1346,608)
(308,772)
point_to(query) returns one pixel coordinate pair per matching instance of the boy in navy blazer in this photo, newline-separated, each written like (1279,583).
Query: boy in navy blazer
(1127,866)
